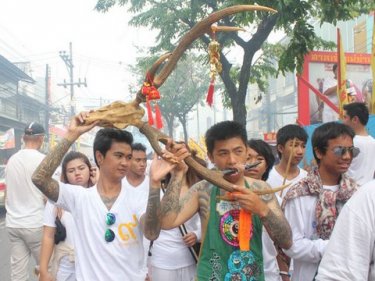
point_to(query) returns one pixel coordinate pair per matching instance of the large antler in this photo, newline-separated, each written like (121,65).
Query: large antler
(120,114)
(197,31)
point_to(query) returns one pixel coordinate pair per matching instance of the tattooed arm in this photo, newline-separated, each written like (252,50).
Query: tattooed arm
(176,211)
(276,225)
(150,221)
(42,176)
(269,211)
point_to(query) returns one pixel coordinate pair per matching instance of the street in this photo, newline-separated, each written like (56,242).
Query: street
(5,253)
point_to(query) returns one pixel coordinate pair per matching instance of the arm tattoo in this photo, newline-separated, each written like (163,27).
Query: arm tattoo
(261,185)
(278,227)
(275,222)
(152,224)
(42,176)
(204,193)
(170,202)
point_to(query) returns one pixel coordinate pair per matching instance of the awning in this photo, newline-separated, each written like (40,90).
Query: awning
(8,69)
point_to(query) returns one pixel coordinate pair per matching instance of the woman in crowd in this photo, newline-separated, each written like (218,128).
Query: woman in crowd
(76,170)
(259,150)
(170,258)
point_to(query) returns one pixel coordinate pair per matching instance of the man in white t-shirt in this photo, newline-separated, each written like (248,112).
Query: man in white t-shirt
(136,178)
(350,253)
(286,137)
(138,184)
(330,90)
(291,144)
(362,168)
(24,203)
(109,222)
(312,205)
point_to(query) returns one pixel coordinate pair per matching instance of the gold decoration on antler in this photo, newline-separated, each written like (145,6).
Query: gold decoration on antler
(214,58)
(121,114)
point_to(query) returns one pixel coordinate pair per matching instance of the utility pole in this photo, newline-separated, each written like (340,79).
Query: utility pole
(47,102)
(68,59)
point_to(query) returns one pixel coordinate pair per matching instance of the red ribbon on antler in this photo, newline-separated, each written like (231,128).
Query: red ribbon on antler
(152,93)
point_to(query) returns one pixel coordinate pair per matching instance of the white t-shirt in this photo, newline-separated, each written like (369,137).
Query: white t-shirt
(142,190)
(307,249)
(96,259)
(66,220)
(350,254)
(362,168)
(271,268)
(169,251)
(276,180)
(328,113)
(24,203)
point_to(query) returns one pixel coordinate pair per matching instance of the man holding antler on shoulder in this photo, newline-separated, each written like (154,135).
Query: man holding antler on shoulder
(231,223)
(109,222)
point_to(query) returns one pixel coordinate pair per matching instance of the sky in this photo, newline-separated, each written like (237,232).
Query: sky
(103,45)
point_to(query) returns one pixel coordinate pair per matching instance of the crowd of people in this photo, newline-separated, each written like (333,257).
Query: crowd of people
(116,220)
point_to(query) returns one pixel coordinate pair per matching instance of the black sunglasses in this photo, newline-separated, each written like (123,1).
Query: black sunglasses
(340,151)
(109,235)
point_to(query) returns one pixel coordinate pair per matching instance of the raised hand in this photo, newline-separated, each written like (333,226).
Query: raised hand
(159,169)
(180,152)
(77,125)
(249,201)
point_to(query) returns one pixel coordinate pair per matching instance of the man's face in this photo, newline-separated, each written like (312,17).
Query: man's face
(230,153)
(332,162)
(115,164)
(298,151)
(138,163)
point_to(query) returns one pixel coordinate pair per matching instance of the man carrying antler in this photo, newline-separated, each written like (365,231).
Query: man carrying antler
(231,222)
(108,221)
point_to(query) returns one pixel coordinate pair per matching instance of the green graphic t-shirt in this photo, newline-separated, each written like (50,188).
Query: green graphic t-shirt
(220,258)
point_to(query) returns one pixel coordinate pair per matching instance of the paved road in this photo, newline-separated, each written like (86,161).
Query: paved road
(5,252)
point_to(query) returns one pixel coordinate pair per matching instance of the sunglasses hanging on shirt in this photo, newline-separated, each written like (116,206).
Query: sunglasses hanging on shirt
(109,235)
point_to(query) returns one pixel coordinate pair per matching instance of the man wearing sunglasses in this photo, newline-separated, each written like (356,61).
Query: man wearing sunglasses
(362,169)
(109,222)
(312,205)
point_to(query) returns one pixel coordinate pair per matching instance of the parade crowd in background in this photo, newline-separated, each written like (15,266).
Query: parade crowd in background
(127,217)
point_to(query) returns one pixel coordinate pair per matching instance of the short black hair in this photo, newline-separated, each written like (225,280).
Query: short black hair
(326,132)
(358,109)
(263,149)
(139,147)
(223,131)
(105,137)
(290,132)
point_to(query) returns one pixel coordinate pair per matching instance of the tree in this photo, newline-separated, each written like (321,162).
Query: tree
(181,92)
(173,18)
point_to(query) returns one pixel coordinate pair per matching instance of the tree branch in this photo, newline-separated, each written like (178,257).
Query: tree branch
(252,46)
